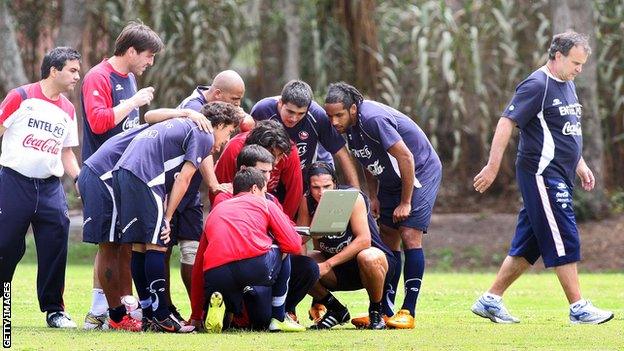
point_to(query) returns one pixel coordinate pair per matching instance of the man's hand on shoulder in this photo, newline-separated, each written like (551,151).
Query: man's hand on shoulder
(198,118)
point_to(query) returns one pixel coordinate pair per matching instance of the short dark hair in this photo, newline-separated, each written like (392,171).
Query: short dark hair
(270,135)
(298,93)
(564,42)
(57,58)
(344,93)
(246,178)
(252,154)
(138,36)
(219,112)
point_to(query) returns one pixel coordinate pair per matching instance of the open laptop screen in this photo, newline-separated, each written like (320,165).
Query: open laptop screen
(332,213)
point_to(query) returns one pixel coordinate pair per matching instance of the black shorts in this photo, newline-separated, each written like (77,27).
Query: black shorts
(348,274)
(187,224)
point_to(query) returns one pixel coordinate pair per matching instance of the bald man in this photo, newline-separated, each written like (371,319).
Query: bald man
(186,223)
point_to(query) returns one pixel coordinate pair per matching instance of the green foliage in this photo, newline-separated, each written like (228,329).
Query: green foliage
(450,65)
(609,53)
(582,206)
(617,201)
(458,67)
(201,38)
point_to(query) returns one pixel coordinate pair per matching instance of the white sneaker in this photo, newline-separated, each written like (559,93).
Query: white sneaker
(60,319)
(493,310)
(586,313)
(95,322)
(288,325)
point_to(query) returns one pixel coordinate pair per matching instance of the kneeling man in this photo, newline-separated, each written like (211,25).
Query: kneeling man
(354,259)
(248,237)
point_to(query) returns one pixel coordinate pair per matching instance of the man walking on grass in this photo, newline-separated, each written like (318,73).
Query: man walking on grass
(546,109)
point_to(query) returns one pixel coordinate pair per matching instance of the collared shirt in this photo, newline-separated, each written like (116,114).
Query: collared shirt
(157,153)
(37,129)
(548,113)
(102,89)
(378,128)
(315,137)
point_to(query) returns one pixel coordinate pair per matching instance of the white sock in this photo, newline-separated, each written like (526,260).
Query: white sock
(99,306)
(577,304)
(492,297)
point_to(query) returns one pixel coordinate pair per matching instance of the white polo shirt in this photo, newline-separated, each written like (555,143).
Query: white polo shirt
(37,130)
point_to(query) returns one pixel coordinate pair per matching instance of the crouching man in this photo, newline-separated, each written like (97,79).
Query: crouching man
(352,260)
(248,238)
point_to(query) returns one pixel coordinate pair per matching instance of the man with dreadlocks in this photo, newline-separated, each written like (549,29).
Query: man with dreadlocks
(404,174)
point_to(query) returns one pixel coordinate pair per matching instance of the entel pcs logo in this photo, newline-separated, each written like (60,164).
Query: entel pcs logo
(302,148)
(574,109)
(572,129)
(362,153)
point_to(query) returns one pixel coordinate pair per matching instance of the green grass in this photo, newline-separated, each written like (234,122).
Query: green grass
(443,321)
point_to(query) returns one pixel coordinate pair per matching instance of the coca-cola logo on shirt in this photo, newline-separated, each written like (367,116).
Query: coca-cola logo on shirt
(51,145)
(572,129)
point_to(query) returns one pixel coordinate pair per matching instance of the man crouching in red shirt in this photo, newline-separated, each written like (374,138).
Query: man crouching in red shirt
(248,236)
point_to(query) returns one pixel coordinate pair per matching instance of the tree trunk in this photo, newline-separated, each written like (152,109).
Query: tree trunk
(270,55)
(73,24)
(72,29)
(293,39)
(578,15)
(12,73)
(357,17)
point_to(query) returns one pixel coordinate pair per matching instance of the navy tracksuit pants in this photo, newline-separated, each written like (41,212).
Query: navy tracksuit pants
(41,203)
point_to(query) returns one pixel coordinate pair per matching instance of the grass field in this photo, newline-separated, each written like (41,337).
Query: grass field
(443,320)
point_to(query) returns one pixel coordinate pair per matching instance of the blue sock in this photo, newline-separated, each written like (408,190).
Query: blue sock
(155,274)
(391,286)
(137,267)
(280,290)
(413,273)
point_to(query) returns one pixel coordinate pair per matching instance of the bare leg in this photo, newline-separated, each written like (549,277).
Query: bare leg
(186,272)
(390,237)
(125,274)
(96,281)
(108,272)
(511,269)
(373,268)
(568,277)
(319,290)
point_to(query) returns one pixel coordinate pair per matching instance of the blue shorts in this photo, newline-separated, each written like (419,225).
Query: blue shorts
(423,199)
(231,279)
(546,225)
(98,207)
(187,224)
(140,209)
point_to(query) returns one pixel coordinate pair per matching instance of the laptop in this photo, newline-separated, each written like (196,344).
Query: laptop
(332,213)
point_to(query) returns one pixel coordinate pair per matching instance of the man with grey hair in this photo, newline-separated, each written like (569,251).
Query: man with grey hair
(546,109)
